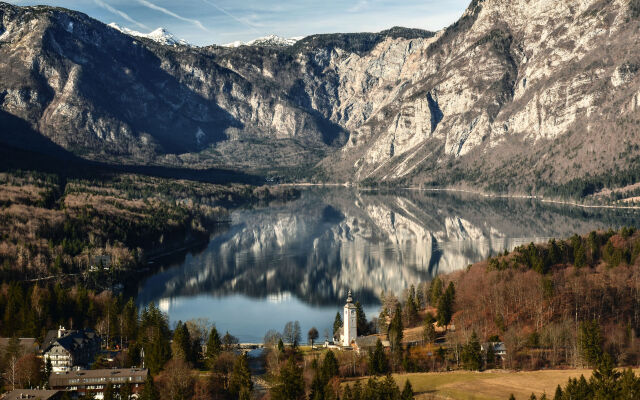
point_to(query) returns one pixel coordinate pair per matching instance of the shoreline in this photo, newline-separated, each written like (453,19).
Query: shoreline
(473,192)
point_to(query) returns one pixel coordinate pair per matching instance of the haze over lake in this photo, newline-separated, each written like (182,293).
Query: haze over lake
(297,260)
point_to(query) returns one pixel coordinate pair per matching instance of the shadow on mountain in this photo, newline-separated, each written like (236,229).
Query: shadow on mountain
(21,147)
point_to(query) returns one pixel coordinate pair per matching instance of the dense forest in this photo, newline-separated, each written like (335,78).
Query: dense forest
(51,225)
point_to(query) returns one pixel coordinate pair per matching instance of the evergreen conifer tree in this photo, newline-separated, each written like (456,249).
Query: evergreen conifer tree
(337,324)
(472,354)
(558,395)
(361,320)
(149,392)
(240,376)
(396,330)
(407,391)
(290,383)
(214,347)
(329,367)
(378,363)
(346,393)
(445,306)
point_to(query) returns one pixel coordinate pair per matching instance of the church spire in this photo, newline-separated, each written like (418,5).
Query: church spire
(349,299)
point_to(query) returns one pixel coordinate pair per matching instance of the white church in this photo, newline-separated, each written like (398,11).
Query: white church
(349,323)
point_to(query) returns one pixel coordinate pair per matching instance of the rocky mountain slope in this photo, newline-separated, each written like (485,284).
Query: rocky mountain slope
(518,95)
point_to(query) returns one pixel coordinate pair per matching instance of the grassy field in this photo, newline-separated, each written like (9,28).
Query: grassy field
(465,385)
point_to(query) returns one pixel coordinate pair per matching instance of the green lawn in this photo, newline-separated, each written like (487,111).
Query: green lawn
(489,385)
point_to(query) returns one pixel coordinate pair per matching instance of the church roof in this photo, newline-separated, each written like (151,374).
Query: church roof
(349,301)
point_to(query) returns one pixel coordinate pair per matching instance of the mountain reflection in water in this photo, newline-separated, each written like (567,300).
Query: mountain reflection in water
(299,259)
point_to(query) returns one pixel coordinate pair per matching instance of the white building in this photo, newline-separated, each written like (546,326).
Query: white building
(349,324)
(68,348)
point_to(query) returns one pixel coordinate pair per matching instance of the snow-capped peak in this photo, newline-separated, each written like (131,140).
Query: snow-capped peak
(160,35)
(266,41)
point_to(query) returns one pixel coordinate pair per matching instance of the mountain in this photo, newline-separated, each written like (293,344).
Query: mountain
(518,96)
(160,35)
(266,41)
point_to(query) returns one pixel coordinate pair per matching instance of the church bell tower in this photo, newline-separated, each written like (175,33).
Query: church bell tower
(350,323)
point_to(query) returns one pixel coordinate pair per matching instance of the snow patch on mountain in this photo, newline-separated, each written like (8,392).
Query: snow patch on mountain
(160,35)
(266,41)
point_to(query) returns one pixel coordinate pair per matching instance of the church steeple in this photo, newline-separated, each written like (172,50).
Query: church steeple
(349,322)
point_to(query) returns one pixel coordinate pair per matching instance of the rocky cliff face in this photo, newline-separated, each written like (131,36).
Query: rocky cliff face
(515,95)
(516,90)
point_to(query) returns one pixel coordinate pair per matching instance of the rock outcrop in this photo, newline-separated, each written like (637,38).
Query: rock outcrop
(516,95)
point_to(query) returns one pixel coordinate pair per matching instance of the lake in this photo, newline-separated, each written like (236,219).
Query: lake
(297,260)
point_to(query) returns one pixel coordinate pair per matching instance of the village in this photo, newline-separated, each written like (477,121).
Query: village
(71,357)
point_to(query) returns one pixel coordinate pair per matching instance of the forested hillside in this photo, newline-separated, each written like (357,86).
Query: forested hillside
(58,225)
(545,300)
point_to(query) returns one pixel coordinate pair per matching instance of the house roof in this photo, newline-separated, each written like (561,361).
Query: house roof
(30,394)
(27,344)
(367,341)
(498,347)
(62,379)
(71,341)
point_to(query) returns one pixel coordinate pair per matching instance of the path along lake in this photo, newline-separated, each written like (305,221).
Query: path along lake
(297,260)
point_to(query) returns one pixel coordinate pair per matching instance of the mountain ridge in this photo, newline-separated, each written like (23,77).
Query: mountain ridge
(513,97)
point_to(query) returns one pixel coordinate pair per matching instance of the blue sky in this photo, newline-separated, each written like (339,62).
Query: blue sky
(204,22)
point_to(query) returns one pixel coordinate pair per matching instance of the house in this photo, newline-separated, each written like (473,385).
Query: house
(499,349)
(71,348)
(93,382)
(366,343)
(35,394)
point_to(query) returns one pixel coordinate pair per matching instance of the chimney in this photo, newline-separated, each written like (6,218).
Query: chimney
(60,331)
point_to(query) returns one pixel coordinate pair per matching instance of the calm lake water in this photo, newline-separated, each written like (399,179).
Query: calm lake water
(298,260)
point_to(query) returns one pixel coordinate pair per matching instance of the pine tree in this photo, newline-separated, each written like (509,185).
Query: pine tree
(280,345)
(361,320)
(590,340)
(337,324)
(396,330)
(181,348)
(445,306)
(558,395)
(357,391)
(316,391)
(428,332)
(472,354)
(604,380)
(629,385)
(48,369)
(435,291)
(240,377)
(290,383)
(407,392)
(149,392)
(378,364)
(346,393)
(411,307)
(130,320)
(330,367)
(214,347)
